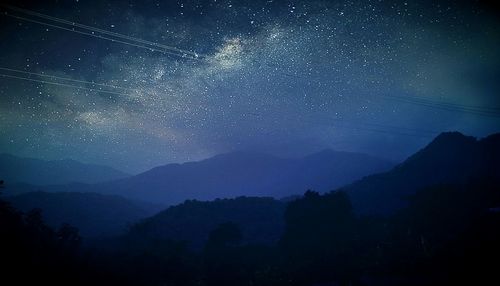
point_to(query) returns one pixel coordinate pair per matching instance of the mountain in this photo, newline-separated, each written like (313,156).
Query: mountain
(15,169)
(451,158)
(95,215)
(260,220)
(237,174)
(231,175)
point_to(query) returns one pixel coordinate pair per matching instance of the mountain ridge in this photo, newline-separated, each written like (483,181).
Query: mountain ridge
(236,174)
(15,169)
(250,174)
(450,158)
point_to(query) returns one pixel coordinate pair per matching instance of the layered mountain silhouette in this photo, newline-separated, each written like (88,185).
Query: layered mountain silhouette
(15,169)
(436,218)
(236,174)
(95,215)
(249,174)
(451,158)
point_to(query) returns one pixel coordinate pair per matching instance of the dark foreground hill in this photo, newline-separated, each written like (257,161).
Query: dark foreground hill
(260,220)
(451,158)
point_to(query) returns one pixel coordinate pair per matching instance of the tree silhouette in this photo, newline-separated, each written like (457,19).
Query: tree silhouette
(224,235)
(320,238)
(221,261)
(68,237)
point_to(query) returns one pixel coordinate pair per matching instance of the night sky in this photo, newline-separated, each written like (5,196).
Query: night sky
(136,84)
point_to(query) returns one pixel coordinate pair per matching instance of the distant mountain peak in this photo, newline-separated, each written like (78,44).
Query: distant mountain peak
(452,137)
(241,173)
(451,158)
(445,144)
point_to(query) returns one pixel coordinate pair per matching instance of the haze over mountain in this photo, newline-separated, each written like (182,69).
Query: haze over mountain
(451,158)
(41,172)
(95,215)
(260,219)
(236,174)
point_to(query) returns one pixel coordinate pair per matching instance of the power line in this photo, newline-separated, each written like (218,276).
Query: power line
(369,126)
(64,84)
(452,104)
(476,110)
(100,37)
(67,79)
(419,100)
(383,128)
(138,42)
(102,31)
(120,88)
(391,130)
(441,106)
(402,128)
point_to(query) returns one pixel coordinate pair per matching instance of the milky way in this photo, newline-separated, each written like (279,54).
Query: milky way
(285,77)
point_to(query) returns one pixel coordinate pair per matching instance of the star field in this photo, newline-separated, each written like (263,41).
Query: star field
(285,77)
